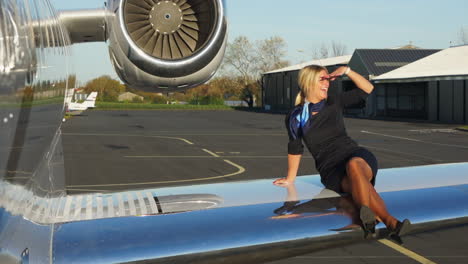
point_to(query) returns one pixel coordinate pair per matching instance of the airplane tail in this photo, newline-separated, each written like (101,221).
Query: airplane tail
(90,102)
(69,95)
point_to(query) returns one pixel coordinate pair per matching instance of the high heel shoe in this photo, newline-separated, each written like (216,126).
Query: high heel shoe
(401,229)
(368,221)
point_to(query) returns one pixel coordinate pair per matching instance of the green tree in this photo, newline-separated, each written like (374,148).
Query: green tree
(205,94)
(231,87)
(179,97)
(108,89)
(137,100)
(159,99)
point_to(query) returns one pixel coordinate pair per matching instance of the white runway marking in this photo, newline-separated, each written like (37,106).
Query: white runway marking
(415,140)
(171,157)
(128,135)
(212,157)
(376,257)
(425,131)
(176,133)
(403,153)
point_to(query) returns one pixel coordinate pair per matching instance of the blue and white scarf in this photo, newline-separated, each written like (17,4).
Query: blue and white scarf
(299,122)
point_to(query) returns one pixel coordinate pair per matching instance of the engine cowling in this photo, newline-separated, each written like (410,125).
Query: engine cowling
(166,45)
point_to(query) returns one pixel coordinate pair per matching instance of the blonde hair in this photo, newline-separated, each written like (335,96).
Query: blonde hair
(308,78)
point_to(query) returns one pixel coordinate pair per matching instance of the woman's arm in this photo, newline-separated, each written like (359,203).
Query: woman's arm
(361,82)
(293,167)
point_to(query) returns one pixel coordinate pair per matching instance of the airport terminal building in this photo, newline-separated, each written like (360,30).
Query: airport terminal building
(423,84)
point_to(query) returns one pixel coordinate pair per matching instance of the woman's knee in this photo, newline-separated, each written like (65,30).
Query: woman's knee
(358,167)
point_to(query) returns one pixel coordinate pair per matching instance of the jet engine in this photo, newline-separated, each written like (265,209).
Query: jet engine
(167,45)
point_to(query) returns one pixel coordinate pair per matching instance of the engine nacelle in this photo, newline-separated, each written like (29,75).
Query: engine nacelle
(169,45)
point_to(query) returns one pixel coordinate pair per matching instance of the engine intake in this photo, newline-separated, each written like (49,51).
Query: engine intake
(170,30)
(169,45)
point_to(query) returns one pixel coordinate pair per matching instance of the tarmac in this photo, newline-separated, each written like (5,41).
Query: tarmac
(118,150)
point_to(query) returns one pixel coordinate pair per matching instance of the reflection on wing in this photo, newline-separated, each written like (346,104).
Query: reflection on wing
(52,210)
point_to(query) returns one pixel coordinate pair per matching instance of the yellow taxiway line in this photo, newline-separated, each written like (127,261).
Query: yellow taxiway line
(406,252)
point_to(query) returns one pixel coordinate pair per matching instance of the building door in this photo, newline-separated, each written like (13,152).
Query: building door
(402,100)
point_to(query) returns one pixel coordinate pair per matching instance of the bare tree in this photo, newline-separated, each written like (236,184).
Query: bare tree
(249,61)
(240,55)
(463,36)
(333,49)
(338,49)
(271,52)
(323,51)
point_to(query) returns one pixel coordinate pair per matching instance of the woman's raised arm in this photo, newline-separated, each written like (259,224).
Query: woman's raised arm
(361,82)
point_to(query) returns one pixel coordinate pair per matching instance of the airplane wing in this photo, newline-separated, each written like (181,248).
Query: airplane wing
(235,222)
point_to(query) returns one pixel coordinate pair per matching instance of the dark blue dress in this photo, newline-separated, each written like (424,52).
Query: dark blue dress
(326,138)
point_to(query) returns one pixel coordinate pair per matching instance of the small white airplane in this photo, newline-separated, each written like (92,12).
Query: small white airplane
(75,108)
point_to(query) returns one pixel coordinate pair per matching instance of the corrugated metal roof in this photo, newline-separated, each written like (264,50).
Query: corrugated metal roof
(449,62)
(323,62)
(380,61)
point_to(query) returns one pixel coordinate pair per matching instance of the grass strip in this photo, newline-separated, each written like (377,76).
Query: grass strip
(143,106)
(37,102)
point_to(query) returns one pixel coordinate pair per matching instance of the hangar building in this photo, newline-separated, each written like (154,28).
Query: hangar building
(435,87)
(424,84)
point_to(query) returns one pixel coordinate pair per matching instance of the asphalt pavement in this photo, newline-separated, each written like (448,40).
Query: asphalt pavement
(118,150)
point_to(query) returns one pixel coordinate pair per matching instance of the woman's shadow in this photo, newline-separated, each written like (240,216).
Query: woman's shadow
(318,206)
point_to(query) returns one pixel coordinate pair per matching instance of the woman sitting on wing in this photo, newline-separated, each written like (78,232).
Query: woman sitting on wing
(343,166)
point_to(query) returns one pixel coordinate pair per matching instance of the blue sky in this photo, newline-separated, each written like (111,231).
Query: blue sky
(306,24)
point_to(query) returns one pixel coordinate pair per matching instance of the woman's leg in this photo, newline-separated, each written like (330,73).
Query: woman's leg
(358,183)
